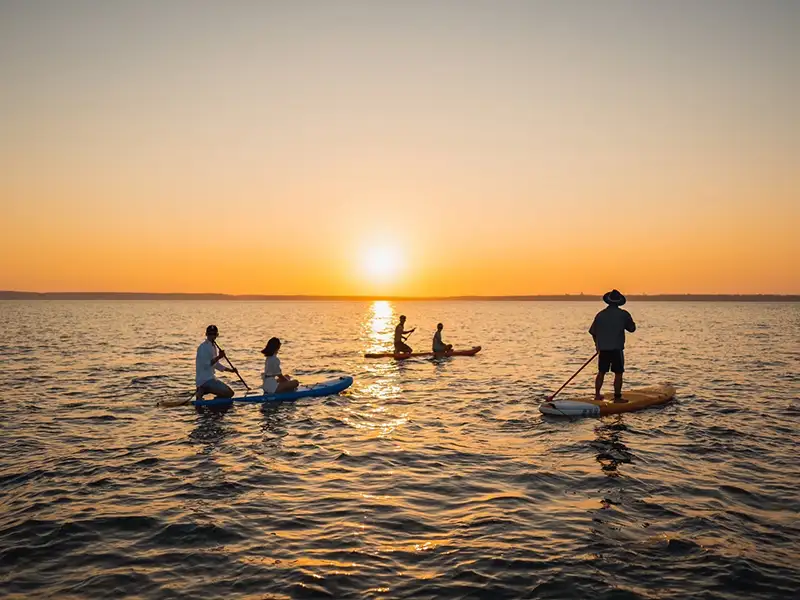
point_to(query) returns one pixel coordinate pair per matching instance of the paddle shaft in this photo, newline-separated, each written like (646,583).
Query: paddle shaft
(573,376)
(194,393)
(228,360)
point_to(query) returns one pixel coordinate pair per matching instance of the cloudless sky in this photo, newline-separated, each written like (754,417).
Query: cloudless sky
(491,147)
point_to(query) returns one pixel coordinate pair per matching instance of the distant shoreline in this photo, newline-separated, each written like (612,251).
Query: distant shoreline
(10,295)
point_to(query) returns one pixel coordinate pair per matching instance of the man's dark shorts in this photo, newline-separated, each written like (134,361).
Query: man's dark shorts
(401,348)
(613,360)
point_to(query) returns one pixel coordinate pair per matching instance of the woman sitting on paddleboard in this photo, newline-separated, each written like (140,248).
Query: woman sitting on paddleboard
(275,382)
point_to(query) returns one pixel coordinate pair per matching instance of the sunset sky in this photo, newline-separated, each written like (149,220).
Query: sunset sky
(408,148)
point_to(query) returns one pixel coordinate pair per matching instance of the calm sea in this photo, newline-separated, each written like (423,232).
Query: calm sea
(427,479)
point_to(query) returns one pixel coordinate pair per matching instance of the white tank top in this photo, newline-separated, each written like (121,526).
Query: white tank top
(272,368)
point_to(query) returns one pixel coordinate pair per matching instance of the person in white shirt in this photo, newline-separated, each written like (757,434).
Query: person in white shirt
(207,361)
(439,347)
(275,382)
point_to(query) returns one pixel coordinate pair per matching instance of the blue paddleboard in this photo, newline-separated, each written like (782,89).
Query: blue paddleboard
(324,388)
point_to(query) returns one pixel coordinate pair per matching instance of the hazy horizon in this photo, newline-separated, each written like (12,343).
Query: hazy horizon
(12,294)
(400,149)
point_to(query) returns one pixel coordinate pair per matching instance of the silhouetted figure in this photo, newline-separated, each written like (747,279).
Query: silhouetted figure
(400,346)
(439,347)
(608,331)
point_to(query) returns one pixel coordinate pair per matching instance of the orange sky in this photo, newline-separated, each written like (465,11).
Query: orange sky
(517,148)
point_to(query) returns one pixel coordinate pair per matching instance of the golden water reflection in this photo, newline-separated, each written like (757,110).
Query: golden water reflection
(377,337)
(382,383)
(379,325)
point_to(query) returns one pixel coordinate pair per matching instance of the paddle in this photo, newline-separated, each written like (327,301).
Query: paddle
(177,401)
(228,360)
(573,377)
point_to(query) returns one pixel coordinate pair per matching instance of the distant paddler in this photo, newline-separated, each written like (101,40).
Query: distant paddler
(608,331)
(400,337)
(207,361)
(439,347)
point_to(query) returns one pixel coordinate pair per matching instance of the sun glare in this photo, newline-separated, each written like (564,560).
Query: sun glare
(382,263)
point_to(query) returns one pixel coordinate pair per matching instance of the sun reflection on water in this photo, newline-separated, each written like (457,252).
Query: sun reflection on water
(379,325)
(382,382)
(377,337)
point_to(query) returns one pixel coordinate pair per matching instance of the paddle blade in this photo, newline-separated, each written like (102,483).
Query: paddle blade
(172,402)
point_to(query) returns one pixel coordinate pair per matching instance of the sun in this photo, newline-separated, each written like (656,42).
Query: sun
(382,264)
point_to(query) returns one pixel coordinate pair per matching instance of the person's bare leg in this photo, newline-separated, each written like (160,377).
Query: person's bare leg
(598,385)
(617,386)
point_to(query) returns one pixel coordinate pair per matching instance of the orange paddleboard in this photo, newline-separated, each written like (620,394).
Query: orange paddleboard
(471,352)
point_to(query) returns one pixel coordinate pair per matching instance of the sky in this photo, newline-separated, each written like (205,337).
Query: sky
(400,148)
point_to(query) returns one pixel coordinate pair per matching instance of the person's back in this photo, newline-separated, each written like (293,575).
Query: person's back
(609,328)
(204,362)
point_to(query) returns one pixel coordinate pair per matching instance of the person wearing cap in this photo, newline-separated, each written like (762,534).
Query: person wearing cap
(275,382)
(608,331)
(400,346)
(207,361)
(439,347)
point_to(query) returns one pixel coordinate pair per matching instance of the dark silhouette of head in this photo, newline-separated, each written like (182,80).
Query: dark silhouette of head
(614,298)
(273,345)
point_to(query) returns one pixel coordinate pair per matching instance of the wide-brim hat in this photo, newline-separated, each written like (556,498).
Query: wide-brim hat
(614,298)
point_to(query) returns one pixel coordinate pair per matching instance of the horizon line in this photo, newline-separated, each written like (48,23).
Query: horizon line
(22,295)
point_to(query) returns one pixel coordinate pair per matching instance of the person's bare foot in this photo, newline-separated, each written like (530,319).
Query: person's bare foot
(598,397)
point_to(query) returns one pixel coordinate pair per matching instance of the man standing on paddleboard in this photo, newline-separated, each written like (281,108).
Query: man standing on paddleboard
(208,357)
(608,331)
(400,346)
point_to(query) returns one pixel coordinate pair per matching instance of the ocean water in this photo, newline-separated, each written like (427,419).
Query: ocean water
(427,479)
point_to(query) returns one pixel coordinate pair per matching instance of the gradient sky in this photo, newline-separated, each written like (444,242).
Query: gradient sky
(498,147)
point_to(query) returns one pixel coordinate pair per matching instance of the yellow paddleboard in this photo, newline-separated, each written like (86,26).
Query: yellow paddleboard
(589,407)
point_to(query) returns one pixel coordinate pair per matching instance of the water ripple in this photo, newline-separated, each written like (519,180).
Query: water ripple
(427,479)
